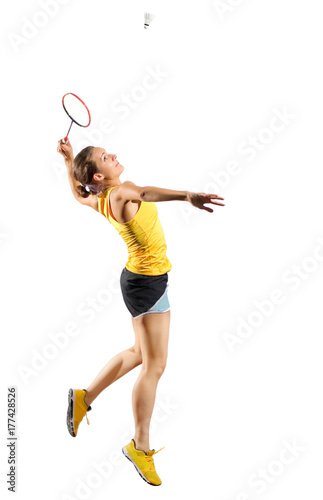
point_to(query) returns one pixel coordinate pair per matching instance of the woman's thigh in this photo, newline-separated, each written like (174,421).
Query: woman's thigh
(153,333)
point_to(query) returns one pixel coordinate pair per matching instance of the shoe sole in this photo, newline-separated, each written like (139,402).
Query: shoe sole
(126,454)
(70,412)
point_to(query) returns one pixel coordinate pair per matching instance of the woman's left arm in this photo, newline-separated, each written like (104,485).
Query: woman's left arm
(129,191)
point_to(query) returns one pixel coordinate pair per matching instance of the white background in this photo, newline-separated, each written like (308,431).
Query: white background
(229,412)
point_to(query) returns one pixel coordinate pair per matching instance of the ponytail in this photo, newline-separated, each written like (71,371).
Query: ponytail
(89,189)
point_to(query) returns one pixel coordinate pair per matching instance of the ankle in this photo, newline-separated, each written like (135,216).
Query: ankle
(88,399)
(141,445)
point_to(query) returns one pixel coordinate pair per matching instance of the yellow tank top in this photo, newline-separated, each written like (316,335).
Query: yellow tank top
(143,235)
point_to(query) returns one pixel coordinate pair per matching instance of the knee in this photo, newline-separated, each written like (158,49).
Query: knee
(155,368)
(137,352)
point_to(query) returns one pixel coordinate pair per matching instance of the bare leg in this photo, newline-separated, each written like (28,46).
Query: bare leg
(153,330)
(118,366)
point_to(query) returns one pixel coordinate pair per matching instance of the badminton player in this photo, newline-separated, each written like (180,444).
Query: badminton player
(94,177)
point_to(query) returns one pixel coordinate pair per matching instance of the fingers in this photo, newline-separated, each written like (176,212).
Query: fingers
(62,143)
(220,204)
(63,147)
(61,150)
(213,203)
(215,196)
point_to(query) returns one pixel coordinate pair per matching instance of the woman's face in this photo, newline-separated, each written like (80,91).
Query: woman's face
(108,165)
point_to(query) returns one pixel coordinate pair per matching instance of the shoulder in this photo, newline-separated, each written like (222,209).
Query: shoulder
(124,185)
(127,191)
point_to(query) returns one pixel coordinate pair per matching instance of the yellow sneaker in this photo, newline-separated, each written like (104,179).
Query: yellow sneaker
(76,410)
(143,462)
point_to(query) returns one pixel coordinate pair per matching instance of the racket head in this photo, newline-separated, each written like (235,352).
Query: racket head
(76,109)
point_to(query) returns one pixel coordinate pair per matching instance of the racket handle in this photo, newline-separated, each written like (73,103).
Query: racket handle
(64,141)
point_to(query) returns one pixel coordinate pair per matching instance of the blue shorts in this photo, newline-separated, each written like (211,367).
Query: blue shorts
(144,294)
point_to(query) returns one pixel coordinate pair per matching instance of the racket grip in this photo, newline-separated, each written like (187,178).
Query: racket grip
(64,141)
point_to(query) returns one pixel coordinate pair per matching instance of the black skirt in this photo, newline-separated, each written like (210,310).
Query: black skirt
(141,292)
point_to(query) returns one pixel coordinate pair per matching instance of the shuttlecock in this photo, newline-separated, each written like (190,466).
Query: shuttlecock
(148,19)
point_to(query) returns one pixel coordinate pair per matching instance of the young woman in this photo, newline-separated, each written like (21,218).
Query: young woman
(94,179)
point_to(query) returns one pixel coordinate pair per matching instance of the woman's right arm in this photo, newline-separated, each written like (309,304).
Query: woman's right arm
(129,191)
(65,149)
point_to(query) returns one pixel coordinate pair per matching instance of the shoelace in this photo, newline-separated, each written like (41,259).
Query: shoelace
(149,458)
(88,408)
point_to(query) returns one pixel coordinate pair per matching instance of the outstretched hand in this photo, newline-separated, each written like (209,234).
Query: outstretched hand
(198,200)
(66,151)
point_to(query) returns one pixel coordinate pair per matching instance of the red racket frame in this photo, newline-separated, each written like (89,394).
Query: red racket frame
(74,121)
